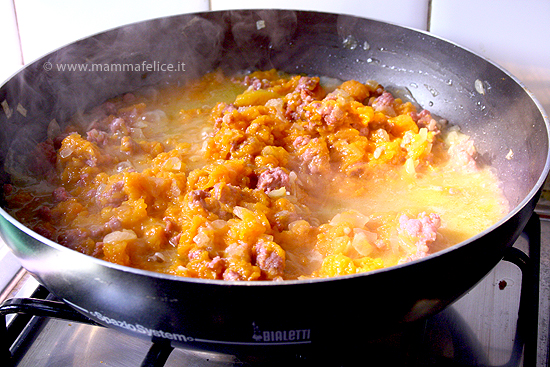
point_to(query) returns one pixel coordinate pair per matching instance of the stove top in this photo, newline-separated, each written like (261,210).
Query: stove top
(503,321)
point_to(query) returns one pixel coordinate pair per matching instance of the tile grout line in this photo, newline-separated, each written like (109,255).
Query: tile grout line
(18,33)
(429,17)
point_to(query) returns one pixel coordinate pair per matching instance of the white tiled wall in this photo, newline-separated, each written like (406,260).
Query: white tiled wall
(47,25)
(10,51)
(512,33)
(410,13)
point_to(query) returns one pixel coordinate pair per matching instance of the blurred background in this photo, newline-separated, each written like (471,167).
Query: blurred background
(512,33)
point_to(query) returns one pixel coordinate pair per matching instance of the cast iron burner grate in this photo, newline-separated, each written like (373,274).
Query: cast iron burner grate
(29,313)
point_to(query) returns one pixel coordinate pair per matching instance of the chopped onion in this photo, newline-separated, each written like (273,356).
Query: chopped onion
(7,110)
(378,152)
(139,124)
(480,88)
(423,133)
(175,190)
(201,239)
(510,155)
(409,166)
(65,152)
(137,133)
(158,257)
(123,166)
(116,236)
(276,194)
(22,110)
(155,116)
(172,164)
(361,244)
(218,224)
(352,217)
(370,236)
(206,132)
(101,188)
(292,176)
(238,211)
(383,134)
(315,259)
(294,226)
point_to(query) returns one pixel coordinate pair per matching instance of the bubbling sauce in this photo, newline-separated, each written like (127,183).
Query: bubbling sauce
(261,176)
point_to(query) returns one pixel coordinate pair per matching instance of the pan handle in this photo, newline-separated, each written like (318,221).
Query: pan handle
(156,356)
(41,307)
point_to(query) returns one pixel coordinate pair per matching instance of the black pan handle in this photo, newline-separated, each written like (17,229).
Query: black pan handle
(41,307)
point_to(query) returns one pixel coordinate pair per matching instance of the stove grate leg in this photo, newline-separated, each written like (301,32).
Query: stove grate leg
(158,354)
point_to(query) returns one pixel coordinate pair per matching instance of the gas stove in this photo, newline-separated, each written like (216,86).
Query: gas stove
(502,321)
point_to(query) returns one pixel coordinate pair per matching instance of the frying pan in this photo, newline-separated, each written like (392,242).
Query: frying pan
(506,122)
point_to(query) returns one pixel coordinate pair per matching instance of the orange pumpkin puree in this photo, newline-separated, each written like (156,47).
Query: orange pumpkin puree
(262,176)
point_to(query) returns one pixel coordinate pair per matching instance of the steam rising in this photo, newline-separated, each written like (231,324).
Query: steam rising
(296,42)
(264,32)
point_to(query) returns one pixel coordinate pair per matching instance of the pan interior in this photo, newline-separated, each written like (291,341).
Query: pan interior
(486,102)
